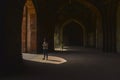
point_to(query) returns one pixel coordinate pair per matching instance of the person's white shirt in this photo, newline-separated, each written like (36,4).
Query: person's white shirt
(45,45)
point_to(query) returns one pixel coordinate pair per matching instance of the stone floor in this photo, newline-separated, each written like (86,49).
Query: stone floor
(74,64)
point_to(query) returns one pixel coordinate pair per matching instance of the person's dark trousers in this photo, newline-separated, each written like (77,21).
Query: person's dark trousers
(45,54)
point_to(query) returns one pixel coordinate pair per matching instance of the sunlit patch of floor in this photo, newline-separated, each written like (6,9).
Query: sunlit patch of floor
(39,58)
(60,49)
(69,48)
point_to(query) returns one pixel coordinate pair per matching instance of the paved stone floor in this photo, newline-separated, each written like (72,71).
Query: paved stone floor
(74,64)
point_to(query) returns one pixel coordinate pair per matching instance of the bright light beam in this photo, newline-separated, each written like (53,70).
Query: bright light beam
(38,58)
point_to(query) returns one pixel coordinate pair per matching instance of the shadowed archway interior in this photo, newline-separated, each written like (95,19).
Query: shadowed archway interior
(72,35)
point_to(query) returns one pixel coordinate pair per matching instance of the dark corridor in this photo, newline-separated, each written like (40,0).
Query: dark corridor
(73,35)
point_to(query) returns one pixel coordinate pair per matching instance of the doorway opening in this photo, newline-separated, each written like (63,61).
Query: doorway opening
(72,35)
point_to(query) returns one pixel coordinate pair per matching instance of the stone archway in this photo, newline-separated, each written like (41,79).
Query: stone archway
(29,29)
(98,24)
(99,31)
(72,35)
(76,22)
(59,30)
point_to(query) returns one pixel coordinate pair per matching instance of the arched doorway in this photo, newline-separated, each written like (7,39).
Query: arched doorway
(93,34)
(72,35)
(29,28)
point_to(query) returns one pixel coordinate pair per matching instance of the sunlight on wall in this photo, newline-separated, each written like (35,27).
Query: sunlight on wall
(38,58)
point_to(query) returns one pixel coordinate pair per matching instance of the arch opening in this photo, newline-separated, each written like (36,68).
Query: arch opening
(94,22)
(29,28)
(72,35)
(71,29)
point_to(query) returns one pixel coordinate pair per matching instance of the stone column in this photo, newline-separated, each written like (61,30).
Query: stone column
(12,19)
(109,29)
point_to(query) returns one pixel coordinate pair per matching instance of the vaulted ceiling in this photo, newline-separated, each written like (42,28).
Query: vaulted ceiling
(60,10)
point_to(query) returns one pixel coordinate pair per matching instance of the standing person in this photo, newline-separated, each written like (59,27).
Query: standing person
(45,49)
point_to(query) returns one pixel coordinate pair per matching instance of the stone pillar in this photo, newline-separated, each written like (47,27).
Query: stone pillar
(2,37)
(24,31)
(109,30)
(87,39)
(33,33)
(12,19)
(118,28)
